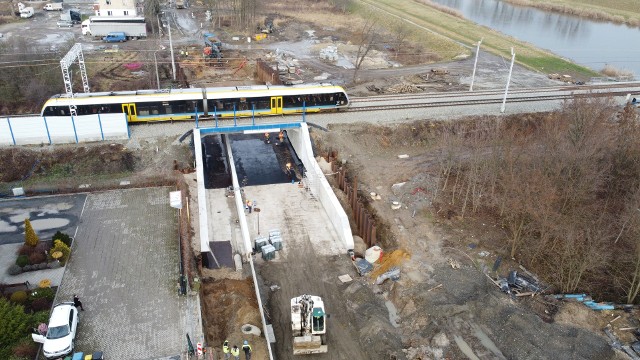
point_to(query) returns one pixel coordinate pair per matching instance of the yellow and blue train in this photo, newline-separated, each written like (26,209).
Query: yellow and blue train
(184,104)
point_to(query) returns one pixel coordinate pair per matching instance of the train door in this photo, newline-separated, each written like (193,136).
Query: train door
(276,105)
(130,110)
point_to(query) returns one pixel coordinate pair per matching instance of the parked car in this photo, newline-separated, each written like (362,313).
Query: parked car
(64,23)
(115,37)
(61,332)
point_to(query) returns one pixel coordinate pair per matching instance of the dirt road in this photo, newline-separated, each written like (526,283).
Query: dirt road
(358,327)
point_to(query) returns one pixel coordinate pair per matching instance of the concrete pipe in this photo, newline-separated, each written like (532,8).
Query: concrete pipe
(250,329)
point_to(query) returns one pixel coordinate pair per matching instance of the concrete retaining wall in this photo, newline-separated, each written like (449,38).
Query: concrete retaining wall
(320,186)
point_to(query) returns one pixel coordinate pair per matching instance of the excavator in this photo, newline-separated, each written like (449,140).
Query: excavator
(308,325)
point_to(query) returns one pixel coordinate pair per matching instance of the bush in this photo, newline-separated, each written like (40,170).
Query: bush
(30,237)
(43,266)
(14,269)
(26,250)
(62,237)
(58,245)
(19,297)
(54,265)
(25,349)
(15,326)
(40,304)
(43,293)
(37,258)
(27,268)
(22,260)
(43,247)
(40,317)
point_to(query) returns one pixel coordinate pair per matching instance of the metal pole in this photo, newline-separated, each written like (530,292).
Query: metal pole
(504,101)
(155,59)
(475,64)
(173,63)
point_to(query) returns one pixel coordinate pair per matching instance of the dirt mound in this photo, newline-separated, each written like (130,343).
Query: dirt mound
(22,163)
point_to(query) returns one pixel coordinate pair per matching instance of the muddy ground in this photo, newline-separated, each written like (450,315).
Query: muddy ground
(446,312)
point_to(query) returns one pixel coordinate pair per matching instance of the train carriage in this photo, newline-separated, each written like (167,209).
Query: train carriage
(184,104)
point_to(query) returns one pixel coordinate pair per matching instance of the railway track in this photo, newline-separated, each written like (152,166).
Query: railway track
(430,100)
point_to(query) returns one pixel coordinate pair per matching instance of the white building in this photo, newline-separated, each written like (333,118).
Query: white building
(118,8)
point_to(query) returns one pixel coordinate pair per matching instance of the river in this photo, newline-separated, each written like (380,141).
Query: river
(585,42)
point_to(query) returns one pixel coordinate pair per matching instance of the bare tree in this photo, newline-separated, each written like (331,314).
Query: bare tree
(365,40)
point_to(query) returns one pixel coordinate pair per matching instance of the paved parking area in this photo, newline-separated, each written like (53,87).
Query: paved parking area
(124,268)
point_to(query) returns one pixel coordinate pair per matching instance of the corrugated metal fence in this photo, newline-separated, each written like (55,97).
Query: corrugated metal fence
(62,129)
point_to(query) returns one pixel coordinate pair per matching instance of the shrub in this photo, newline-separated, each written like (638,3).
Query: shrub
(58,245)
(37,258)
(43,266)
(44,283)
(30,237)
(43,293)
(25,349)
(19,297)
(26,250)
(27,268)
(43,247)
(15,325)
(14,269)
(40,304)
(62,237)
(40,317)
(54,265)
(22,260)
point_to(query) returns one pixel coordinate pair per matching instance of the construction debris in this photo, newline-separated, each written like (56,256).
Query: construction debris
(403,89)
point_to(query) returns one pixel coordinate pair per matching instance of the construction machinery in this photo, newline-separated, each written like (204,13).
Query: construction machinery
(308,325)
(212,46)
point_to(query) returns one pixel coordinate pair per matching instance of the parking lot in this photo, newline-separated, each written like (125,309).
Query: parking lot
(124,268)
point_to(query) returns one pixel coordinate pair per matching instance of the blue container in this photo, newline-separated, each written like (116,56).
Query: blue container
(78,356)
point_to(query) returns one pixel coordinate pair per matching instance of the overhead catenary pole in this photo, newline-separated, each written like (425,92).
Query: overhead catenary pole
(475,64)
(155,59)
(173,63)
(506,90)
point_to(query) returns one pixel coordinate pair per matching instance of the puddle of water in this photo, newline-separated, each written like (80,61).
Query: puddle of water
(393,313)
(6,227)
(486,342)
(19,217)
(47,224)
(465,348)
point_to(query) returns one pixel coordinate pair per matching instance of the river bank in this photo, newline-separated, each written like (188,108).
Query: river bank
(625,12)
(468,33)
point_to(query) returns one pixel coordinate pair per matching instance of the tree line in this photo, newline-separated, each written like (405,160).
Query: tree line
(564,186)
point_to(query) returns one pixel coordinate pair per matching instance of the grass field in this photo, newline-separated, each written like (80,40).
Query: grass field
(466,32)
(619,11)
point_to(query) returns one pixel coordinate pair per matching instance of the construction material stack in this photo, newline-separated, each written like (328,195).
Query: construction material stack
(308,325)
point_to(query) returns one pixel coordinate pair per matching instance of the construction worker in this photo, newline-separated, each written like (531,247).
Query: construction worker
(226,350)
(235,352)
(250,205)
(281,136)
(247,350)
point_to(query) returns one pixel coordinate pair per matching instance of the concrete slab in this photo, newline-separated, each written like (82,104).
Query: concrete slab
(221,215)
(293,211)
